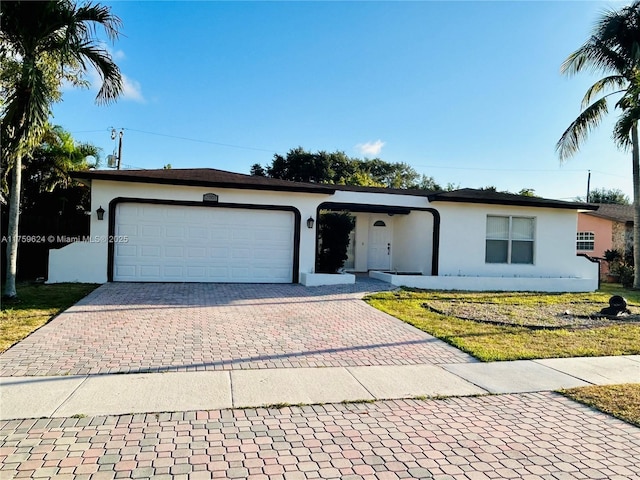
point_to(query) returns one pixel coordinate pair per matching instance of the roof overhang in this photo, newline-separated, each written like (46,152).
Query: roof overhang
(247,185)
(365,208)
(493,198)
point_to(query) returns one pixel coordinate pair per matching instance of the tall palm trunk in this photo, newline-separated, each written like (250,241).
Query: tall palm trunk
(636,205)
(12,230)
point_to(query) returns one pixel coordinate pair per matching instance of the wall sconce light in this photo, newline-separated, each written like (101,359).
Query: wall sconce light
(310,222)
(100,213)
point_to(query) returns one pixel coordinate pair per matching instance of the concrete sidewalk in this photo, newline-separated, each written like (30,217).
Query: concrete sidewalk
(67,396)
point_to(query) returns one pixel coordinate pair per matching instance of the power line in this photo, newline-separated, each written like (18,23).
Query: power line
(485,169)
(518,170)
(200,141)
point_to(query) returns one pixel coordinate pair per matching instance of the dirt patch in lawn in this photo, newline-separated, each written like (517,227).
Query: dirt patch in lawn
(571,315)
(519,326)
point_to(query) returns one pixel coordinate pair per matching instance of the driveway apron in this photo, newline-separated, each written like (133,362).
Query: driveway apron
(161,327)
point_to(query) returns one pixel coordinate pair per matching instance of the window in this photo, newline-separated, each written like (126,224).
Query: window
(585,241)
(509,240)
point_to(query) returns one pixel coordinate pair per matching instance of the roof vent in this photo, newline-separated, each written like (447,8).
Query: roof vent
(210,198)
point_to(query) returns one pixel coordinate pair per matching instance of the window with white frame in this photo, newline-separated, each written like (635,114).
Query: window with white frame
(510,239)
(585,241)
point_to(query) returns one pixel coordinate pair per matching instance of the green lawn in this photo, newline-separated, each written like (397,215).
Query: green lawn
(524,338)
(36,305)
(491,342)
(622,401)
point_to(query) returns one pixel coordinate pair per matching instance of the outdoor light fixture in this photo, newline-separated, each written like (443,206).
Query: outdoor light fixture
(100,213)
(310,222)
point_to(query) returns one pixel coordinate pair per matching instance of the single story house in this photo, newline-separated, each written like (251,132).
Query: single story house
(207,225)
(610,227)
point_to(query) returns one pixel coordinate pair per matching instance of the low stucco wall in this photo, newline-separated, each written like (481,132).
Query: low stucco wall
(490,284)
(78,262)
(318,279)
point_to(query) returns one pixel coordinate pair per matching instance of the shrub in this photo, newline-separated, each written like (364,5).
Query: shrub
(621,265)
(333,229)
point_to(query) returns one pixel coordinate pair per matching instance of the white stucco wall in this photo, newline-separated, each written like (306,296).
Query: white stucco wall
(491,284)
(463,236)
(413,242)
(67,262)
(79,262)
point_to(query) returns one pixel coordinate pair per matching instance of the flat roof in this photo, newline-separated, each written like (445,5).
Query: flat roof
(470,195)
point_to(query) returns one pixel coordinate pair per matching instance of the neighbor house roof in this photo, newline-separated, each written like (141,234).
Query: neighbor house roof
(470,195)
(617,213)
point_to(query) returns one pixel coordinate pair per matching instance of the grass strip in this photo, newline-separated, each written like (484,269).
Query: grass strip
(37,304)
(621,401)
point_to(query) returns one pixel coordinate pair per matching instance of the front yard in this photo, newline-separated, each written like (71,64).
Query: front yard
(36,305)
(516,326)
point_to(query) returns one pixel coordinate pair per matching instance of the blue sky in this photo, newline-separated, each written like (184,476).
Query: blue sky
(467,92)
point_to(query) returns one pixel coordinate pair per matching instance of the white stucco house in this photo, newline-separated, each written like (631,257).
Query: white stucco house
(206,225)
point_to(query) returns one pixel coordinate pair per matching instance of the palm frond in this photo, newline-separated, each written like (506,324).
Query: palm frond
(594,56)
(580,128)
(93,15)
(109,72)
(622,129)
(611,82)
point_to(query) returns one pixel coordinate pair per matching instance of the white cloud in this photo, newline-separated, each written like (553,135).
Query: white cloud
(370,148)
(131,89)
(118,55)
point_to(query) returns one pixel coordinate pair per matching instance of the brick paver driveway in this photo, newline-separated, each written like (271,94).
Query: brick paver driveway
(130,327)
(529,436)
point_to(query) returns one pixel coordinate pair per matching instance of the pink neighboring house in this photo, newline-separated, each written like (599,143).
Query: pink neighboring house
(608,228)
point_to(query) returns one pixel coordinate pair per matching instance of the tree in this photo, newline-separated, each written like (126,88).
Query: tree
(527,192)
(299,165)
(613,50)
(48,167)
(257,170)
(35,36)
(604,195)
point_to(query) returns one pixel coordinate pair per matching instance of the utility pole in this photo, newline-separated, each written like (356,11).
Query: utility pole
(588,185)
(113,137)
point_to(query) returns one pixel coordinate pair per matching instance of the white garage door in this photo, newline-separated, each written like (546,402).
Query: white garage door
(173,243)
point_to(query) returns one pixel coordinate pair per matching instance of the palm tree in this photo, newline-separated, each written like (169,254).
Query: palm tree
(614,51)
(44,43)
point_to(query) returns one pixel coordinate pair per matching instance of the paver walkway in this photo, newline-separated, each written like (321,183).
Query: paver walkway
(132,328)
(528,436)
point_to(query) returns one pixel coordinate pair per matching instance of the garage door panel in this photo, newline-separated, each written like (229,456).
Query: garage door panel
(201,244)
(173,271)
(149,270)
(126,271)
(197,252)
(128,229)
(125,250)
(174,252)
(196,272)
(151,251)
(174,231)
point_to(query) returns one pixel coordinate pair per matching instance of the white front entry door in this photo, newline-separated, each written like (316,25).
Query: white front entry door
(176,243)
(379,256)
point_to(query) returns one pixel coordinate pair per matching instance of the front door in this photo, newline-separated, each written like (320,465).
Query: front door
(379,256)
